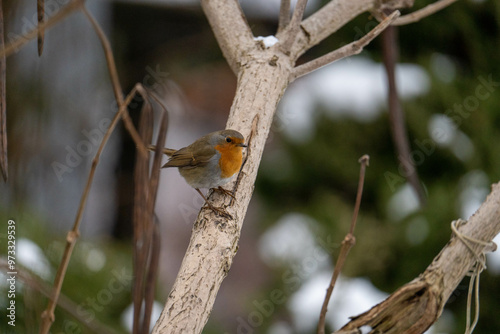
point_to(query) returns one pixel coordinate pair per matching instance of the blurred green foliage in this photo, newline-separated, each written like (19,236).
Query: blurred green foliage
(90,294)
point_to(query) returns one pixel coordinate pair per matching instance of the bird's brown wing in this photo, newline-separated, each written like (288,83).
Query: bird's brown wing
(186,159)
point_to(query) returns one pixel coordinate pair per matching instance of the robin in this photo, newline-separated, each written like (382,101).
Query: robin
(210,162)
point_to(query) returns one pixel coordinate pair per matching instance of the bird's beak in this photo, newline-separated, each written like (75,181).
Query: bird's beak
(242,145)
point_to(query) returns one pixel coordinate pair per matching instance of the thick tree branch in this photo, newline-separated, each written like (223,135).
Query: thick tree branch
(293,27)
(231,29)
(214,239)
(284,18)
(417,305)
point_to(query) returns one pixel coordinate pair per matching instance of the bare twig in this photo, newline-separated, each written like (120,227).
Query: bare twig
(255,121)
(156,167)
(423,13)
(348,242)
(146,231)
(284,18)
(4,166)
(396,115)
(15,45)
(294,26)
(142,235)
(113,73)
(151,275)
(345,51)
(48,314)
(365,162)
(40,7)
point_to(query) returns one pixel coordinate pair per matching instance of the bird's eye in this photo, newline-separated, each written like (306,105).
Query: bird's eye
(228,140)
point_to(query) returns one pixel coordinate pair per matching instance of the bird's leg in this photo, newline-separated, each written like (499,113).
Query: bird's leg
(225,191)
(221,211)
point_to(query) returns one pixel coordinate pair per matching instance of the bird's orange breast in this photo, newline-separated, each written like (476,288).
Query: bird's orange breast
(230,159)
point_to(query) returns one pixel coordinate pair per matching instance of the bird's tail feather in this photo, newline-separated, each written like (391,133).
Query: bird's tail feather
(166,151)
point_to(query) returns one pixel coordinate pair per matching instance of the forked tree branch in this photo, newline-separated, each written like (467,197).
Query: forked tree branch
(214,239)
(348,242)
(336,13)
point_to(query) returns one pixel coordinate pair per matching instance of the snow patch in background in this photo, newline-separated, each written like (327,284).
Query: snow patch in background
(402,203)
(445,133)
(474,187)
(280,327)
(95,259)
(493,259)
(443,67)
(290,240)
(127,317)
(31,256)
(417,230)
(355,87)
(350,297)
